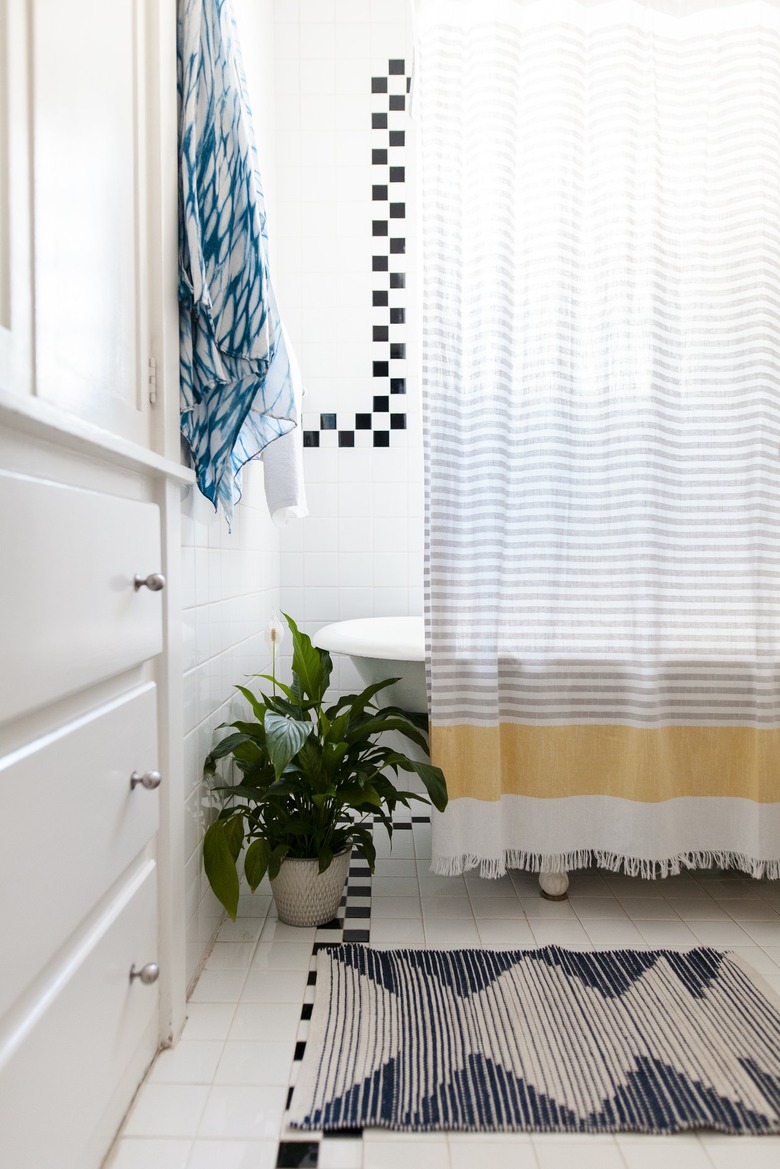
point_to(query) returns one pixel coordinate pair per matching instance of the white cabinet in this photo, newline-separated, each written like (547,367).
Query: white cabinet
(74,588)
(82,667)
(57,1075)
(79,776)
(78,839)
(91,871)
(15,219)
(88,209)
(90,242)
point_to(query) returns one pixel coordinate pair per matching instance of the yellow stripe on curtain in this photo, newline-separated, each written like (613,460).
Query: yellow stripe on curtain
(644,764)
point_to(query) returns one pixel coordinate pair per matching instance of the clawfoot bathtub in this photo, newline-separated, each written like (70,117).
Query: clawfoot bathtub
(394,647)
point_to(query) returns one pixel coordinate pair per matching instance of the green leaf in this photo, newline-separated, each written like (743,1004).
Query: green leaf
(221,867)
(308,663)
(222,749)
(253,730)
(284,739)
(256,862)
(432,777)
(279,686)
(324,858)
(326,668)
(293,709)
(333,755)
(381,724)
(234,835)
(355,703)
(240,789)
(364,843)
(338,727)
(275,860)
(258,707)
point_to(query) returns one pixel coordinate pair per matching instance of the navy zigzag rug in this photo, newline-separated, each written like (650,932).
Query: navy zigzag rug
(546,1040)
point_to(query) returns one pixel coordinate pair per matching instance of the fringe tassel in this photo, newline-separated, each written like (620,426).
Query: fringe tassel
(651,870)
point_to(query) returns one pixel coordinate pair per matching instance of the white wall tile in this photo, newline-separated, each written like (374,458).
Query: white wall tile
(232,583)
(318,41)
(358,554)
(317,11)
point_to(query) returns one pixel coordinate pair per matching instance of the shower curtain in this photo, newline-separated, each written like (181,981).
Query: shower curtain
(601,378)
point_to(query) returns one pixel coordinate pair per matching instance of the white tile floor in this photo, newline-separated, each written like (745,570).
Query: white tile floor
(217,1101)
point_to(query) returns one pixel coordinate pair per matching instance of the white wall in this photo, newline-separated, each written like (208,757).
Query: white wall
(230,580)
(360,552)
(309,66)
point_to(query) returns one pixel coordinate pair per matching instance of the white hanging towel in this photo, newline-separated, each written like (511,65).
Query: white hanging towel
(285,490)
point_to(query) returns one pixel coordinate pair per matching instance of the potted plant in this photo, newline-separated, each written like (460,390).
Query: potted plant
(312,780)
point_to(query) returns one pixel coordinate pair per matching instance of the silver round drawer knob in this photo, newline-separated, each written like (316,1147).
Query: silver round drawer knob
(150,780)
(147,974)
(154,581)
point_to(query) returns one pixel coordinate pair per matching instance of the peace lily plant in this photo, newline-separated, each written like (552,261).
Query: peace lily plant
(312,777)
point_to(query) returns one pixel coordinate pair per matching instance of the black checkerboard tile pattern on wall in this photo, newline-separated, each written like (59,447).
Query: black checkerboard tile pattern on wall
(388,265)
(353,924)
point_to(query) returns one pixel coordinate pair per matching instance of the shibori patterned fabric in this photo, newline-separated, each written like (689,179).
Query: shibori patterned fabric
(237,393)
(548,1040)
(601,345)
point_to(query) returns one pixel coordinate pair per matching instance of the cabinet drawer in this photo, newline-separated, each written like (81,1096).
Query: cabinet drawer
(60,1069)
(71,615)
(73,825)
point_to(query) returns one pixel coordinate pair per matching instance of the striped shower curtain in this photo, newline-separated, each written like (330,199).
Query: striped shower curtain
(601,370)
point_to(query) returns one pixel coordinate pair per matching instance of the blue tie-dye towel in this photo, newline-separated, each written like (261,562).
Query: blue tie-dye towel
(236,390)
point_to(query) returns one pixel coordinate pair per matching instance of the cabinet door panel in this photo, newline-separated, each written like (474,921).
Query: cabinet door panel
(88,141)
(72,614)
(60,1069)
(79,777)
(15,239)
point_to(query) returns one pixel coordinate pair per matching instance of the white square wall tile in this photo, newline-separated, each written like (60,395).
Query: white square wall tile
(317,11)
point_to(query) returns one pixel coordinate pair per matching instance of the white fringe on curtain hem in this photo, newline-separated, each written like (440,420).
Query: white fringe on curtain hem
(495,867)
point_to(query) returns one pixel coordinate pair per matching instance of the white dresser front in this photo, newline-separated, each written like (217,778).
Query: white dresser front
(60,1065)
(73,557)
(80,792)
(79,776)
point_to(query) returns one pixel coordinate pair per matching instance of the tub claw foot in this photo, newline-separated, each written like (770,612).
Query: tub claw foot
(553,886)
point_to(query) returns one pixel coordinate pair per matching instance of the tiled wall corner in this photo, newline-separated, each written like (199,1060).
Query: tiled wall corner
(231,589)
(231,580)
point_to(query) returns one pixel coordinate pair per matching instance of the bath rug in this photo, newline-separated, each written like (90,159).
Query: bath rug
(545,1040)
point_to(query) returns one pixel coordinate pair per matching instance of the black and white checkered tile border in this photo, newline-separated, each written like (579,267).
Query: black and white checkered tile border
(353,924)
(389,247)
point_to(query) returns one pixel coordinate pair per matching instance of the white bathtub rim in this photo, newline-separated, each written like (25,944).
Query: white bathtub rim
(393,639)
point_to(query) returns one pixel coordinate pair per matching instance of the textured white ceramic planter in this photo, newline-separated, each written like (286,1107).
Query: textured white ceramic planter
(305,897)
